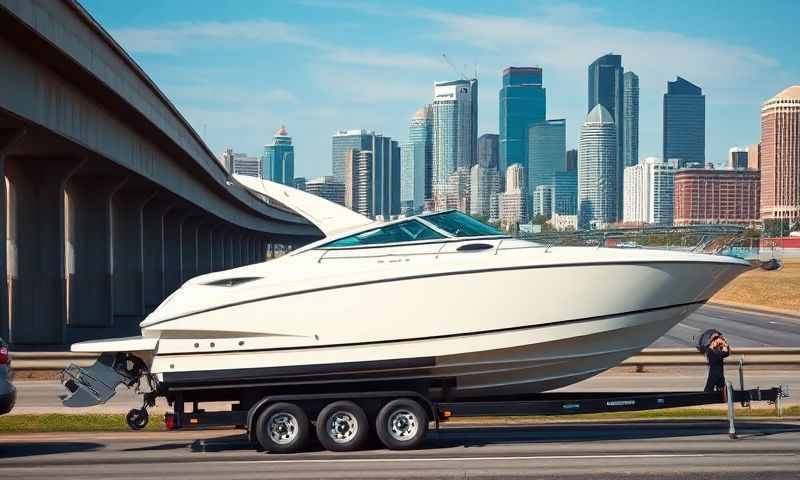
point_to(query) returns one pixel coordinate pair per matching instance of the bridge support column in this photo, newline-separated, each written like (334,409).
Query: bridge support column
(154,215)
(189,231)
(128,258)
(88,259)
(205,247)
(173,250)
(36,245)
(218,235)
(7,138)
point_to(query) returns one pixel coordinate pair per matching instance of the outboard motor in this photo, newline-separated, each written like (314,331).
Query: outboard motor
(715,347)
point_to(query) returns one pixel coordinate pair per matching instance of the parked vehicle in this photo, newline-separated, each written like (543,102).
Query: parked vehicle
(8,394)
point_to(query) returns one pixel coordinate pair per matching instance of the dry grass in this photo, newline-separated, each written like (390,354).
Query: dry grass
(757,287)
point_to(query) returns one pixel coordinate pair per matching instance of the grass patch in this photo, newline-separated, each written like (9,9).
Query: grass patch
(665,414)
(10,424)
(769,289)
(56,422)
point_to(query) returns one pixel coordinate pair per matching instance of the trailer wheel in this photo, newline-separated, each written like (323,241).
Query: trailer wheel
(342,426)
(283,428)
(401,424)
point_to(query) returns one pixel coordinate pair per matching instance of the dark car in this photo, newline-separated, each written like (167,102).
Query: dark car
(8,394)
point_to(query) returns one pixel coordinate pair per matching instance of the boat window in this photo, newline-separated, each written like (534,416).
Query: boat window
(460,224)
(410,231)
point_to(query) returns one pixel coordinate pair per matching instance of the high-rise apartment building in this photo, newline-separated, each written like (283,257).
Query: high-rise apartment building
(278,160)
(359,181)
(684,123)
(737,158)
(716,196)
(484,185)
(607,88)
(489,150)
(649,192)
(522,104)
(597,170)
(546,152)
(326,187)
(630,119)
(780,156)
(420,141)
(565,192)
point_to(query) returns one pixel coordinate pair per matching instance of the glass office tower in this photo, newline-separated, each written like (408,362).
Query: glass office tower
(278,160)
(522,104)
(684,123)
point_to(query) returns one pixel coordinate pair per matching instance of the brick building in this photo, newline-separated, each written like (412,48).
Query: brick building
(705,196)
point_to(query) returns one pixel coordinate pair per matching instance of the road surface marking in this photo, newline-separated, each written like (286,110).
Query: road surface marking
(461,459)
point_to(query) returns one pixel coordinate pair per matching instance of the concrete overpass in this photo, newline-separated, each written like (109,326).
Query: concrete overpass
(111,200)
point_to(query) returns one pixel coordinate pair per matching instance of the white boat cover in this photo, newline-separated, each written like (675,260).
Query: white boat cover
(328,216)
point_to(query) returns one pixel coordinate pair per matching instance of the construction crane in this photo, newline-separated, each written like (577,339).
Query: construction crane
(461,73)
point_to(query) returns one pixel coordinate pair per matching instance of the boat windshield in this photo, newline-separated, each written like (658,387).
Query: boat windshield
(410,231)
(460,224)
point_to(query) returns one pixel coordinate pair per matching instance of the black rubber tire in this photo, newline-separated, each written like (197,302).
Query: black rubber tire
(382,424)
(362,423)
(137,418)
(303,428)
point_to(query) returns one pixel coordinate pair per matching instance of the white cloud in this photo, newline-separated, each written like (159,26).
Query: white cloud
(174,38)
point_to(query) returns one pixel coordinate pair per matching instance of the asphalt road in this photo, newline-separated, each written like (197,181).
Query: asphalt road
(598,450)
(742,328)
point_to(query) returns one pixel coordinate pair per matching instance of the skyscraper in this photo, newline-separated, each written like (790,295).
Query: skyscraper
(420,141)
(455,127)
(754,156)
(780,156)
(737,158)
(522,104)
(489,150)
(684,123)
(278,159)
(484,185)
(358,183)
(630,119)
(597,168)
(385,169)
(546,152)
(713,196)
(412,178)
(227,160)
(572,159)
(607,88)
(543,201)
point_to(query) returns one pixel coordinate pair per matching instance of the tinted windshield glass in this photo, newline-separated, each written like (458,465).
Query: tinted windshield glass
(410,231)
(461,225)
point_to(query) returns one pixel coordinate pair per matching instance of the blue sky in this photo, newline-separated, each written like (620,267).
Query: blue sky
(238,70)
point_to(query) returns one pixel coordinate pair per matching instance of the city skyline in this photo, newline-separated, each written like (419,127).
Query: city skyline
(243,109)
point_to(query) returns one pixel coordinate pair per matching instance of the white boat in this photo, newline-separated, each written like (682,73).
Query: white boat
(437,300)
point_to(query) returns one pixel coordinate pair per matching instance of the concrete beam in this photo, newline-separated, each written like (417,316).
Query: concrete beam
(189,248)
(218,236)
(36,243)
(205,245)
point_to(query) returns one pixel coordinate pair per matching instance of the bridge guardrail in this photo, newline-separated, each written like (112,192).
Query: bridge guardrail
(649,357)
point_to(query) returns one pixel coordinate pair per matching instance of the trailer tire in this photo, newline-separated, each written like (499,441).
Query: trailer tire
(342,426)
(401,424)
(283,428)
